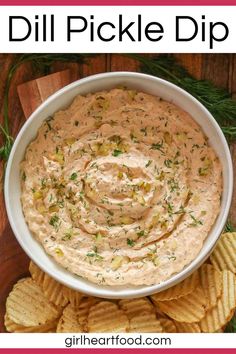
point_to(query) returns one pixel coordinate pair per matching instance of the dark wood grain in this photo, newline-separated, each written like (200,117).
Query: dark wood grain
(34,92)
(219,68)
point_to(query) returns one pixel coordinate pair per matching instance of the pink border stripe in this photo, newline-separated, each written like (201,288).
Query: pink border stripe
(120,351)
(118,2)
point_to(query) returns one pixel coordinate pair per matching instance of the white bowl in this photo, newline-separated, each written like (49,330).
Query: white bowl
(62,99)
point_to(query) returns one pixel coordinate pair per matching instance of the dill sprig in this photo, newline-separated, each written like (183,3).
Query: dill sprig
(40,62)
(229,227)
(231,326)
(217,100)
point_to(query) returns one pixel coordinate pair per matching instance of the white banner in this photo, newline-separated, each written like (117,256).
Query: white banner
(115,340)
(117,29)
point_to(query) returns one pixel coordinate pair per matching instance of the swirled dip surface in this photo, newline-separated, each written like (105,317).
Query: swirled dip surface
(121,188)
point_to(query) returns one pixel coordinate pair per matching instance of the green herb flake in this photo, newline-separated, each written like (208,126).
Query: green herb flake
(73,176)
(130,242)
(157,146)
(54,221)
(195,222)
(172,258)
(170,208)
(141,233)
(95,256)
(43,183)
(117,152)
(67,236)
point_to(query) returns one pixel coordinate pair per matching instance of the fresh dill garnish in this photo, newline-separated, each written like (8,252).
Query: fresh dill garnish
(157,146)
(130,242)
(54,221)
(195,222)
(94,254)
(117,152)
(231,326)
(229,227)
(73,176)
(141,233)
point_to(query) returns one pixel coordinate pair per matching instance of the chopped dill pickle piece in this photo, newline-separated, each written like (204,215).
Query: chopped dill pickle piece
(126,220)
(147,186)
(59,252)
(120,175)
(38,195)
(53,208)
(99,237)
(203,171)
(132,94)
(116,262)
(156,261)
(70,141)
(104,149)
(168,138)
(59,157)
(41,208)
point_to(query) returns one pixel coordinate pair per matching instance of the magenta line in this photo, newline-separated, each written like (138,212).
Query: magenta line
(118,2)
(122,351)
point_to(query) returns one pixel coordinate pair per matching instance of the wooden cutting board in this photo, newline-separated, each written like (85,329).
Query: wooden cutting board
(13,260)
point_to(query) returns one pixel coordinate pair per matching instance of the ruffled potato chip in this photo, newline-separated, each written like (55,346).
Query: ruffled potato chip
(223,257)
(106,317)
(211,282)
(52,289)
(68,322)
(167,324)
(145,323)
(183,327)
(27,305)
(13,327)
(218,316)
(134,307)
(83,310)
(72,296)
(187,286)
(189,308)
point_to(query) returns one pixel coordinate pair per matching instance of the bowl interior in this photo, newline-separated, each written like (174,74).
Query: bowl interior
(62,99)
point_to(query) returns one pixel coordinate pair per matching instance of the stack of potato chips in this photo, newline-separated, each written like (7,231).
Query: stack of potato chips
(203,302)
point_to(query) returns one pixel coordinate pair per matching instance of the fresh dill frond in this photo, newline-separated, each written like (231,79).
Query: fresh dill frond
(229,227)
(231,326)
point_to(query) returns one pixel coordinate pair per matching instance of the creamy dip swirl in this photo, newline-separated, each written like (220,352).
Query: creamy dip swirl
(121,188)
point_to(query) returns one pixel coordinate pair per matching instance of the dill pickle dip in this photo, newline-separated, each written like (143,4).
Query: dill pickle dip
(121,188)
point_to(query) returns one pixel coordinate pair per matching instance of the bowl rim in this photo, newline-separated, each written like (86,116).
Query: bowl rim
(110,292)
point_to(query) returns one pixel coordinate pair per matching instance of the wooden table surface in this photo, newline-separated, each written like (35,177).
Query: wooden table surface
(219,68)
